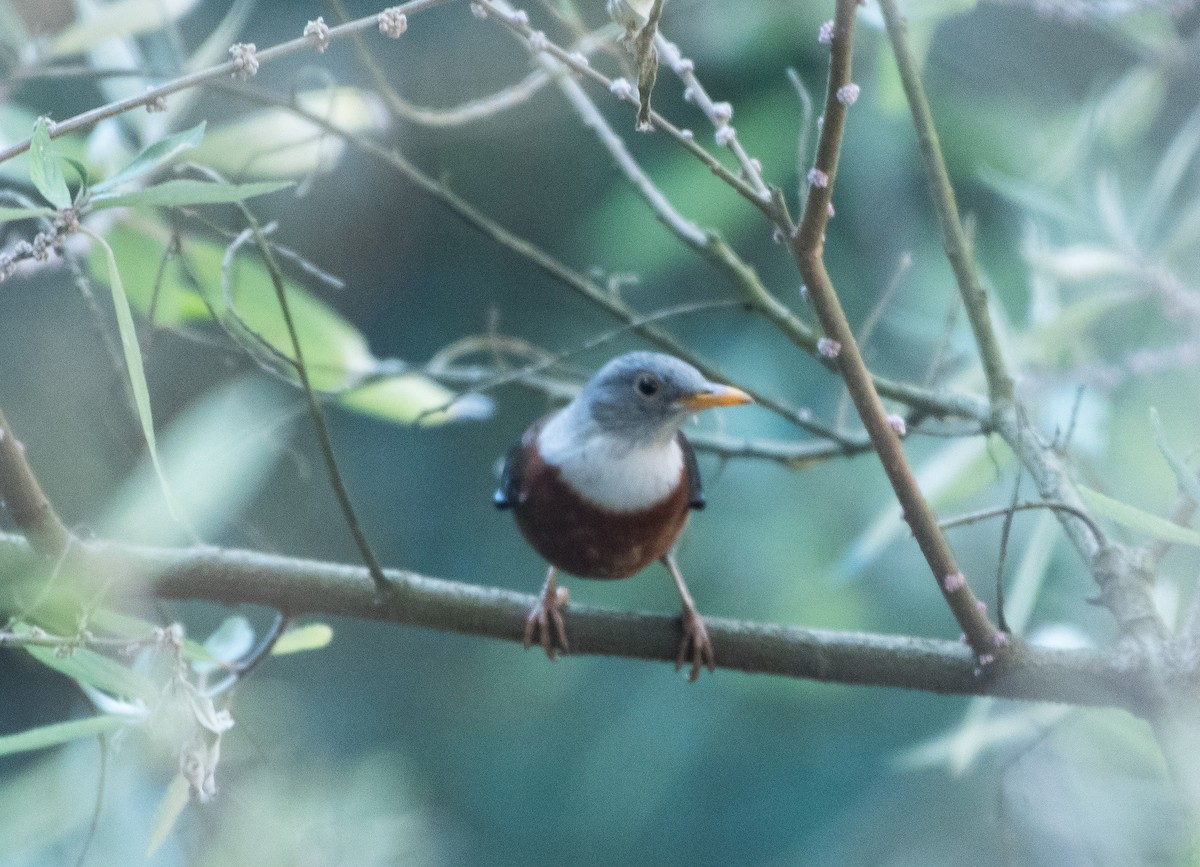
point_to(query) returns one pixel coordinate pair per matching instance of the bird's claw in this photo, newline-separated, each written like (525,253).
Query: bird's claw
(545,623)
(696,646)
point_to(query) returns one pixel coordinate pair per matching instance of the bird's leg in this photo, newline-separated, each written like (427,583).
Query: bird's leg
(696,644)
(545,618)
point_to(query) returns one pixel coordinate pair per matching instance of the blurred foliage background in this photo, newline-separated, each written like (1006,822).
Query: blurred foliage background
(1071,134)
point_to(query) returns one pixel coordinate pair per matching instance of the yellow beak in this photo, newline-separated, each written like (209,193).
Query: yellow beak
(715,395)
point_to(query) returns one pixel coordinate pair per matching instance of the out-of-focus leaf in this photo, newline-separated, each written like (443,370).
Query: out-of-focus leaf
(335,352)
(1062,339)
(133,360)
(174,799)
(139,247)
(1179,158)
(1131,105)
(412,398)
(120,18)
(1031,197)
(955,472)
(1027,583)
(1188,483)
(1135,519)
(960,747)
(229,642)
(1082,262)
(158,154)
(276,143)
(137,628)
(44,168)
(217,454)
(312,636)
(9,214)
(187,191)
(90,667)
(57,733)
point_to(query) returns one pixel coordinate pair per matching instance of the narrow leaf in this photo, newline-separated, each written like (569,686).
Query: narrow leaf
(93,668)
(7,214)
(186,191)
(44,168)
(174,799)
(411,398)
(57,733)
(1188,483)
(137,628)
(158,154)
(1135,519)
(312,636)
(133,361)
(119,19)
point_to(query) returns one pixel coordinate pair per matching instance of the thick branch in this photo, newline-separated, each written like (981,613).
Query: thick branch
(299,587)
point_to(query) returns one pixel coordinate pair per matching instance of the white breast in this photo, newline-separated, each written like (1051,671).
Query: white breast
(605,469)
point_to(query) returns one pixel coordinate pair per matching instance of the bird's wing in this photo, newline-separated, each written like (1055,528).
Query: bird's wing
(508,495)
(692,469)
(509,492)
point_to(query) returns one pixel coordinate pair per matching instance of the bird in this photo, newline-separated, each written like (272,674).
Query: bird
(603,487)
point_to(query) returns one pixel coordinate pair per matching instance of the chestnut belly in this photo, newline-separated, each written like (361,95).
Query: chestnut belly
(578,537)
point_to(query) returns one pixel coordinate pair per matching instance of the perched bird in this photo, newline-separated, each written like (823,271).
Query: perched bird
(602,487)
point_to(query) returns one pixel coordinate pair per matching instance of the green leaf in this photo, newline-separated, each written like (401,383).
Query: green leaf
(187,191)
(115,20)
(411,398)
(95,669)
(1188,483)
(133,360)
(8,214)
(137,628)
(54,734)
(313,636)
(230,641)
(140,247)
(85,177)
(218,452)
(277,143)
(154,156)
(44,168)
(174,799)
(1135,519)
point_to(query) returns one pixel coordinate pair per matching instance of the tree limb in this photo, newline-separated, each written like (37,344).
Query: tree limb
(301,587)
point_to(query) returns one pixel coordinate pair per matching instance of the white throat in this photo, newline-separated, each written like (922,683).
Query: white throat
(605,468)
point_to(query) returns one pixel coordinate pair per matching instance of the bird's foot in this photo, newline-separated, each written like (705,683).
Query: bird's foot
(545,621)
(696,646)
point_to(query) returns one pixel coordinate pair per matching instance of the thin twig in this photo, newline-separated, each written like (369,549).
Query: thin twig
(1022,506)
(317,415)
(808,246)
(28,505)
(518,22)
(203,76)
(1000,384)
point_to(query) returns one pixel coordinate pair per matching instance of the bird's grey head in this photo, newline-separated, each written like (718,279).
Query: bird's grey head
(646,396)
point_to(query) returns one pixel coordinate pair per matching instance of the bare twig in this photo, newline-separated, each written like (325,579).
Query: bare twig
(808,247)
(29,507)
(1000,384)
(204,76)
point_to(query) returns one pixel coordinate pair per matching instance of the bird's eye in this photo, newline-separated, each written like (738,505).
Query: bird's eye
(647,384)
